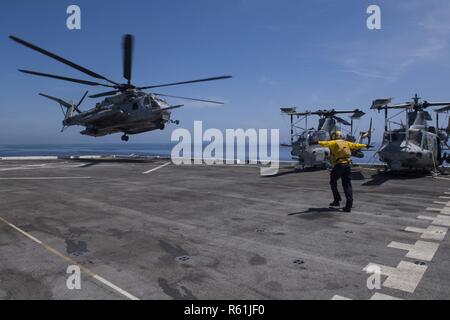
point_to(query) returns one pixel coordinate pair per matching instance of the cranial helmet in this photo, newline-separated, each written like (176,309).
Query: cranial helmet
(336,135)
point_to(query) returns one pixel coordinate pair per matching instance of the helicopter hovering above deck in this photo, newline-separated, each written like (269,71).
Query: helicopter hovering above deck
(305,145)
(126,109)
(414,145)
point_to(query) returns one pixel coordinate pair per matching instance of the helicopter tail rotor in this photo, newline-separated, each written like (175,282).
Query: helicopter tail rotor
(367,134)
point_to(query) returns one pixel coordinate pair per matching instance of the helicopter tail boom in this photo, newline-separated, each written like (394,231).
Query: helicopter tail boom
(69,107)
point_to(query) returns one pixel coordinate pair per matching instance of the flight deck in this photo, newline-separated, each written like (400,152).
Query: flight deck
(154,230)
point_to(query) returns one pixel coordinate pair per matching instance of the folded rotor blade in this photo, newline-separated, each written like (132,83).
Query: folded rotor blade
(288,111)
(60,59)
(380,103)
(401,105)
(358,114)
(344,122)
(445,109)
(186,98)
(437,104)
(185,82)
(90,83)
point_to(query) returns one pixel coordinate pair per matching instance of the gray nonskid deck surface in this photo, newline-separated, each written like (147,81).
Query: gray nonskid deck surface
(210,232)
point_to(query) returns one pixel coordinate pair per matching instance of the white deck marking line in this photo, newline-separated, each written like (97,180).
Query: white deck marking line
(22,168)
(157,168)
(445,209)
(441,178)
(71,261)
(43,178)
(113,286)
(43,167)
(438,220)
(405,277)
(444,197)
(430,233)
(421,250)
(380,296)
(340,298)
(442,203)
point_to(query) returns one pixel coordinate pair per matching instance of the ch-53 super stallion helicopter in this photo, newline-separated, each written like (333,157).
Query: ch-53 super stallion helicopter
(305,141)
(415,145)
(128,109)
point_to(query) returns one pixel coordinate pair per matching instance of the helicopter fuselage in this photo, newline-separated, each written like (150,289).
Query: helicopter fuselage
(130,113)
(412,149)
(308,151)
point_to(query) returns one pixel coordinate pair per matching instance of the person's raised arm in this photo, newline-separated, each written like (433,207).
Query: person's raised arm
(357,146)
(325,143)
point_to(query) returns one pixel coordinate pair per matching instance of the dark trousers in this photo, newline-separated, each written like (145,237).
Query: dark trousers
(342,171)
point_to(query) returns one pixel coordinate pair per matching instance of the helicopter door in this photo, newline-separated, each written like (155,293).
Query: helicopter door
(429,143)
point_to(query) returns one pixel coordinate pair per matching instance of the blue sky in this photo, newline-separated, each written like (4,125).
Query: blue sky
(309,54)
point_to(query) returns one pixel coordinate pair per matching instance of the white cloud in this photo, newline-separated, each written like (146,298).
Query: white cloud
(419,38)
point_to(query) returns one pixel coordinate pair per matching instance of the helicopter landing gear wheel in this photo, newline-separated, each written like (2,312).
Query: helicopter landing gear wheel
(125,138)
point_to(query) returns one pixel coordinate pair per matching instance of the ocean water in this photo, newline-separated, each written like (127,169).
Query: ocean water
(125,149)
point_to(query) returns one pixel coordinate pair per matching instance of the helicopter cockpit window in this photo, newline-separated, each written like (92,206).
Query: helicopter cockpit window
(155,105)
(395,136)
(135,106)
(323,136)
(313,138)
(147,102)
(302,137)
(415,137)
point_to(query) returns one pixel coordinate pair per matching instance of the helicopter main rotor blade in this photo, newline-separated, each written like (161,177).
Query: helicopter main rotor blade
(436,104)
(380,103)
(357,114)
(90,83)
(445,109)
(185,82)
(127,56)
(104,94)
(172,107)
(341,111)
(344,122)
(186,98)
(81,101)
(61,59)
(401,105)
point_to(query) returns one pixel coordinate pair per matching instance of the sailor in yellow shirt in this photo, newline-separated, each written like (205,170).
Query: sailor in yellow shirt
(341,153)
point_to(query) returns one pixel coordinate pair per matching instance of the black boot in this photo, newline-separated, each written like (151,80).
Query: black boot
(348,207)
(335,204)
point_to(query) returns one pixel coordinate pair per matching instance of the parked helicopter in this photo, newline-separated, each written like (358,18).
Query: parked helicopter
(128,109)
(415,145)
(305,142)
